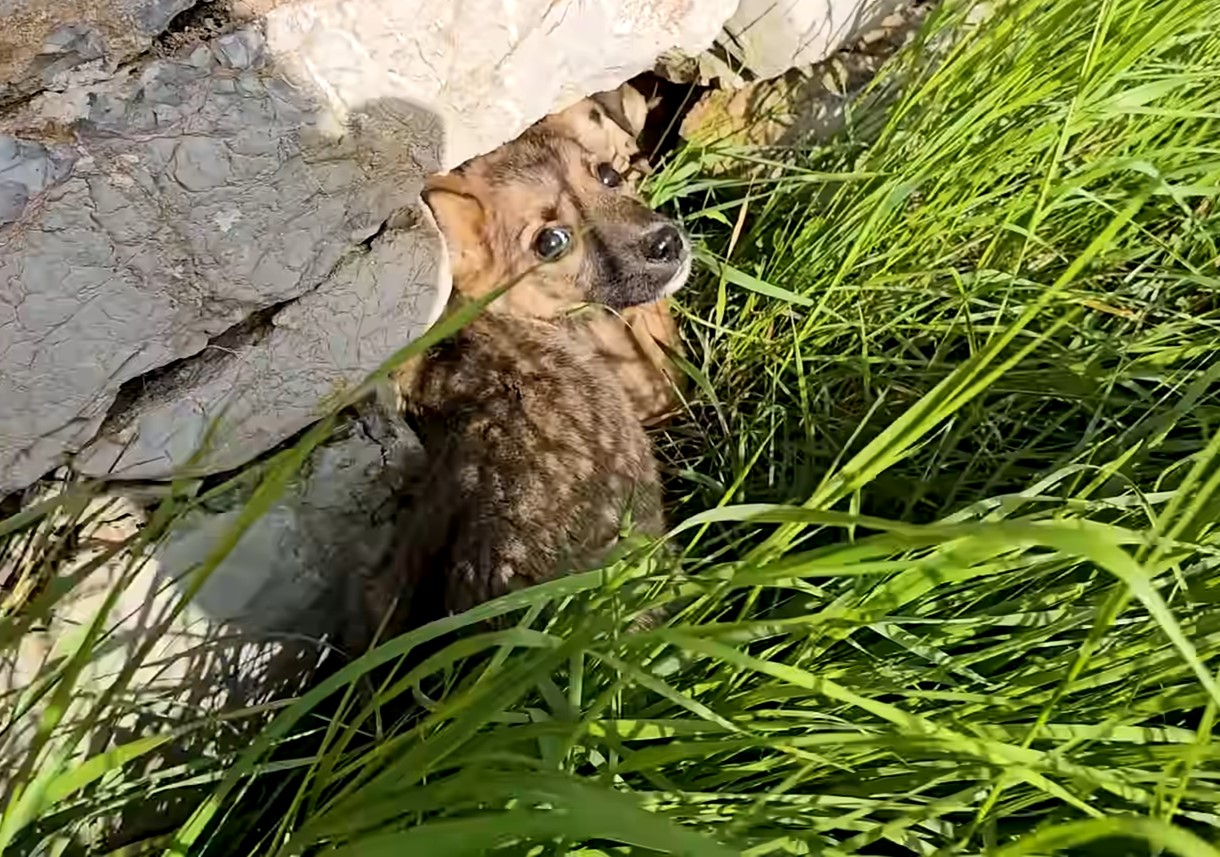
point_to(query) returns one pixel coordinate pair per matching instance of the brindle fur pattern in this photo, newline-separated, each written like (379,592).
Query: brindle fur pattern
(536,456)
(632,340)
(632,346)
(492,209)
(635,342)
(536,461)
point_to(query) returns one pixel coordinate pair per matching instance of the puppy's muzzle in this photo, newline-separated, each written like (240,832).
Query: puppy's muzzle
(664,245)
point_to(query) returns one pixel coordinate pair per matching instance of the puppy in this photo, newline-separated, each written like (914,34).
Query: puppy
(536,456)
(634,341)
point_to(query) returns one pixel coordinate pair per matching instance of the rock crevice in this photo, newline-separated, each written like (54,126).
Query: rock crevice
(174,173)
(181,198)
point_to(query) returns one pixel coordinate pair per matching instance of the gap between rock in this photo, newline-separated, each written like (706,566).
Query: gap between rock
(225,346)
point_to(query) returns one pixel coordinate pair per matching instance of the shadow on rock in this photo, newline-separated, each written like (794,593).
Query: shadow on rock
(361,278)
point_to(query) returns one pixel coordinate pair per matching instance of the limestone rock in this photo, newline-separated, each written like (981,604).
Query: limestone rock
(295,563)
(257,629)
(44,45)
(197,218)
(768,38)
(489,68)
(764,39)
(806,103)
(195,229)
(238,398)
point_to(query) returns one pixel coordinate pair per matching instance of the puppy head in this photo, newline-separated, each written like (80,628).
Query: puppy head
(553,212)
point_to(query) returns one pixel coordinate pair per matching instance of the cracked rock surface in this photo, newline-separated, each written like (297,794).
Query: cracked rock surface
(195,199)
(807,104)
(257,629)
(195,195)
(42,48)
(191,194)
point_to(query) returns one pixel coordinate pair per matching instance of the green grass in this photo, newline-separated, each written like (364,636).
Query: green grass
(945,507)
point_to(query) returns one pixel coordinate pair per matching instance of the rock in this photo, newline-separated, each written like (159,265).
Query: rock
(256,631)
(489,68)
(41,47)
(198,244)
(238,397)
(194,238)
(769,38)
(804,103)
(290,568)
(764,39)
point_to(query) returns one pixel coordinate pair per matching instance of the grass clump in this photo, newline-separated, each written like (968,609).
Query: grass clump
(945,508)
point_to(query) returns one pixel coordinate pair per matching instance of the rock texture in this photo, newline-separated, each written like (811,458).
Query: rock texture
(764,39)
(47,45)
(182,244)
(805,104)
(196,195)
(257,629)
(195,210)
(768,38)
(489,68)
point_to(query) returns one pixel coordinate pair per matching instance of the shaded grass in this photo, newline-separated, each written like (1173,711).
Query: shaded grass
(947,568)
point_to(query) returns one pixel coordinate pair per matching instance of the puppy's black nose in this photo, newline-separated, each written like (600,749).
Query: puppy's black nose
(664,245)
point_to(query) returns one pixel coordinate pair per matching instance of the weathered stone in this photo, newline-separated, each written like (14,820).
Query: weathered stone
(256,630)
(183,238)
(768,38)
(294,565)
(245,396)
(186,199)
(41,42)
(489,68)
(803,104)
(764,39)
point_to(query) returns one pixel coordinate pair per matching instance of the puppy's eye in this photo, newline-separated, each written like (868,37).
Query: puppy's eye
(552,242)
(608,175)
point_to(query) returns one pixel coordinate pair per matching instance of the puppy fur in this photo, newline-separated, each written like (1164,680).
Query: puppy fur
(536,456)
(535,462)
(635,343)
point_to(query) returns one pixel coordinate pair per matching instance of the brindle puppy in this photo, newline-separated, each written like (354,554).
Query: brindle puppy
(536,458)
(632,343)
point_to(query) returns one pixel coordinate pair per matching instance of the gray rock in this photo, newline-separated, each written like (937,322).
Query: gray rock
(38,45)
(257,629)
(489,68)
(298,561)
(153,16)
(765,38)
(26,169)
(201,238)
(234,400)
(191,197)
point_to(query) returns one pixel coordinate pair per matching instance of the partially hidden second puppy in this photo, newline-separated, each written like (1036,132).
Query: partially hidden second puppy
(536,455)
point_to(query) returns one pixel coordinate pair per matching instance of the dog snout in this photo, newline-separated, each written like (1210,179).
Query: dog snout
(664,245)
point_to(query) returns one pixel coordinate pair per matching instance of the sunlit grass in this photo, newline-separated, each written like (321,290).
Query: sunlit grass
(944,508)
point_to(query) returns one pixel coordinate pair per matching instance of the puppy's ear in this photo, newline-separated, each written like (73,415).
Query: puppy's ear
(456,207)
(459,213)
(599,124)
(626,107)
